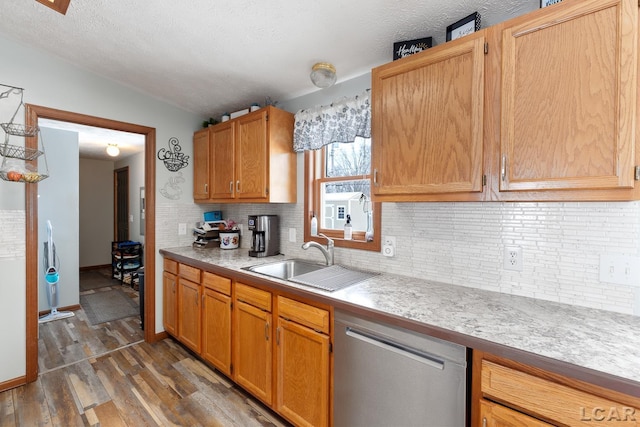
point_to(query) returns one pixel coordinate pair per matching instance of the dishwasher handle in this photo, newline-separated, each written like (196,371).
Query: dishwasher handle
(400,349)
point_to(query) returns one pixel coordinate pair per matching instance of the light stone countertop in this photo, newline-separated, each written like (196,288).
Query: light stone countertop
(602,341)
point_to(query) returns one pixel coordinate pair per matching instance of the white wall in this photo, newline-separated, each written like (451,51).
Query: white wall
(96,212)
(51,82)
(58,202)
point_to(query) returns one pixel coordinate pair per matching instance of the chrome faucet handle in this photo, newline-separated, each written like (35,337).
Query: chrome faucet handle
(330,242)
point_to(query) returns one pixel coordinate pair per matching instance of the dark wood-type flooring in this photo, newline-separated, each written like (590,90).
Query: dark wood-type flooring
(106,375)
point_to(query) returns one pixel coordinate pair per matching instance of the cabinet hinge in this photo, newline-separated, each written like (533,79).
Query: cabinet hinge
(486,47)
(330,347)
(637,173)
(484,180)
(231,305)
(266,118)
(231,368)
(266,190)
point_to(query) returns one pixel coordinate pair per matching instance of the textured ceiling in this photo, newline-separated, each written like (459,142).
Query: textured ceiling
(212,56)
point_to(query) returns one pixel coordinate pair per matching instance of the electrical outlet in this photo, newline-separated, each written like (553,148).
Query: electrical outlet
(513,258)
(292,235)
(182,229)
(389,246)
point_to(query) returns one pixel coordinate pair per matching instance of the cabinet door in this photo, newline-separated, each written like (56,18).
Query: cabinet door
(251,156)
(252,367)
(222,161)
(189,321)
(201,165)
(568,98)
(494,415)
(216,330)
(302,374)
(428,112)
(170,303)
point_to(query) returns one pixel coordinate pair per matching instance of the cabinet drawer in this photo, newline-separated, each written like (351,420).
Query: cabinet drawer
(549,400)
(304,314)
(253,296)
(171,266)
(217,283)
(189,273)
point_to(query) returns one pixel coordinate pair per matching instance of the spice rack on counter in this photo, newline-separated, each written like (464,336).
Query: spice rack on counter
(18,161)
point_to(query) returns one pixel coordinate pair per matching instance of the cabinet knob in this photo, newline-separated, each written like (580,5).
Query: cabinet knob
(503,169)
(375,177)
(266,331)
(484,422)
(238,186)
(278,335)
(231,187)
(206,188)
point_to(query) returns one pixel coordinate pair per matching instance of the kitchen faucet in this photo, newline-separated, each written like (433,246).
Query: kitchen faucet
(328,252)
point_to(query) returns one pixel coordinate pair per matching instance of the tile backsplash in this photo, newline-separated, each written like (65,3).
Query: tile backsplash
(12,230)
(463,244)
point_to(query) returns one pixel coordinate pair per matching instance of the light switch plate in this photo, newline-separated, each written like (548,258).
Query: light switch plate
(620,269)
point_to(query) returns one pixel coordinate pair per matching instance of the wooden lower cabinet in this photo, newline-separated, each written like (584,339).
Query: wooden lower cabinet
(302,374)
(512,394)
(494,415)
(216,322)
(252,348)
(286,365)
(189,311)
(170,303)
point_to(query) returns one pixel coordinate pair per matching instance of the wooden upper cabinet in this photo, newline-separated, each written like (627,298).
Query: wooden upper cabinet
(221,140)
(428,113)
(568,101)
(201,165)
(251,159)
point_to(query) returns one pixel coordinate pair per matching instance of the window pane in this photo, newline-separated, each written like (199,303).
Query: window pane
(342,198)
(348,159)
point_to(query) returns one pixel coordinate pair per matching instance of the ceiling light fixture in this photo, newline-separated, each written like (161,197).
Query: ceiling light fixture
(57,5)
(113,150)
(323,75)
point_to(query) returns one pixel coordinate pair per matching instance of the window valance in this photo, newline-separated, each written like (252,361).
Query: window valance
(342,121)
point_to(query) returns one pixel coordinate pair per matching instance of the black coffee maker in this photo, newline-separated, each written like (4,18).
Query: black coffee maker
(265,235)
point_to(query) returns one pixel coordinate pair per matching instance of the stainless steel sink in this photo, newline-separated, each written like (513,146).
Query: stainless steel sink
(286,269)
(327,277)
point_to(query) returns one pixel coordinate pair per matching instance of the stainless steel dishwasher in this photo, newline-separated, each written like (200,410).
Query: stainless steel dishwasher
(387,376)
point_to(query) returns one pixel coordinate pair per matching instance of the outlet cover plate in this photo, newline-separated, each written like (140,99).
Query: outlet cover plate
(513,258)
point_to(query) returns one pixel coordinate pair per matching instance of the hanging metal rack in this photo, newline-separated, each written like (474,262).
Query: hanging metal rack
(23,168)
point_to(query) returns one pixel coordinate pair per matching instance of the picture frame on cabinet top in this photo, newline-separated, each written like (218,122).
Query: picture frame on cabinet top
(545,3)
(467,25)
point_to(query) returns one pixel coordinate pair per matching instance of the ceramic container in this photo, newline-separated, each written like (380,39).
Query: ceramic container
(229,240)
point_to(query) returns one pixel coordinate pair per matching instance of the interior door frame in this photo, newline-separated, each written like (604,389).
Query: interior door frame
(32,114)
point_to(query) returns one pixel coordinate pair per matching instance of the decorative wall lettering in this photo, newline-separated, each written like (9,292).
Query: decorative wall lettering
(173,158)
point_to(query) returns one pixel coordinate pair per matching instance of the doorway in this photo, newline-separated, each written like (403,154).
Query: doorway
(121,205)
(32,114)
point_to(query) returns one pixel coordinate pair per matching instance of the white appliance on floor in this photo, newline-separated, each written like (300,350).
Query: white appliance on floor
(51,265)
